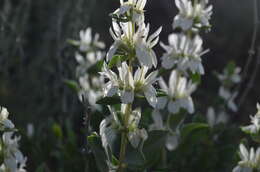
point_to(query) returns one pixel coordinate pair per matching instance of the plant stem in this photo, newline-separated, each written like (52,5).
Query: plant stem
(124,138)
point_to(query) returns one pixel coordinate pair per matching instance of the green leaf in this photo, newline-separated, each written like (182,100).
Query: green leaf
(153,146)
(231,66)
(191,128)
(115,60)
(134,158)
(160,93)
(256,137)
(73,42)
(72,85)
(41,168)
(109,100)
(96,146)
(96,67)
(56,128)
(163,71)
(196,78)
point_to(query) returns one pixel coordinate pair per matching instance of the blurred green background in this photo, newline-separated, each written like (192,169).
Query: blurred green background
(35,58)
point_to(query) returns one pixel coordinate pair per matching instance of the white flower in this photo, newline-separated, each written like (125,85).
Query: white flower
(144,85)
(184,52)
(133,9)
(255,123)
(135,135)
(14,160)
(249,159)
(85,62)
(137,43)
(214,119)
(5,123)
(144,45)
(173,137)
(91,90)
(87,43)
(157,121)
(229,97)
(178,92)
(127,85)
(192,15)
(234,77)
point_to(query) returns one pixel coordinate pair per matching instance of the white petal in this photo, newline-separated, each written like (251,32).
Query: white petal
(161,102)
(243,151)
(154,35)
(127,97)
(167,62)
(112,50)
(172,142)
(150,95)
(151,78)
(173,107)
(143,56)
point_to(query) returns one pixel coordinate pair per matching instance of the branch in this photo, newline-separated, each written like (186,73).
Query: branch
(251,53)
(252,79)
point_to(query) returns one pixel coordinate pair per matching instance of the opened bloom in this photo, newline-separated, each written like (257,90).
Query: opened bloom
(249,160)
(179,93)
(137,44)
(87,43)
(255,123)
(192,15)
(127,85)
(133,9)
(184,52)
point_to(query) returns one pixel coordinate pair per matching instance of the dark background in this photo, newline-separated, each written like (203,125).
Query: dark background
(35,57)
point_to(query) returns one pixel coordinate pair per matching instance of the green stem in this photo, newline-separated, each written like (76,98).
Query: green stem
(124,138)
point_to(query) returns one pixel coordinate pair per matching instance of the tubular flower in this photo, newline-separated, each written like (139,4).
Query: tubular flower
(178,92)
(192,15)
(134,43)
(127,85)
(249,160)
(133,9)
(184,52)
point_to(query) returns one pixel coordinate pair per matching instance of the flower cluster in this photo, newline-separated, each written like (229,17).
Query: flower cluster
(88,55)
(193,15)
(183,54)
(13,159)
(128,72)
(126,85)
(250,160)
